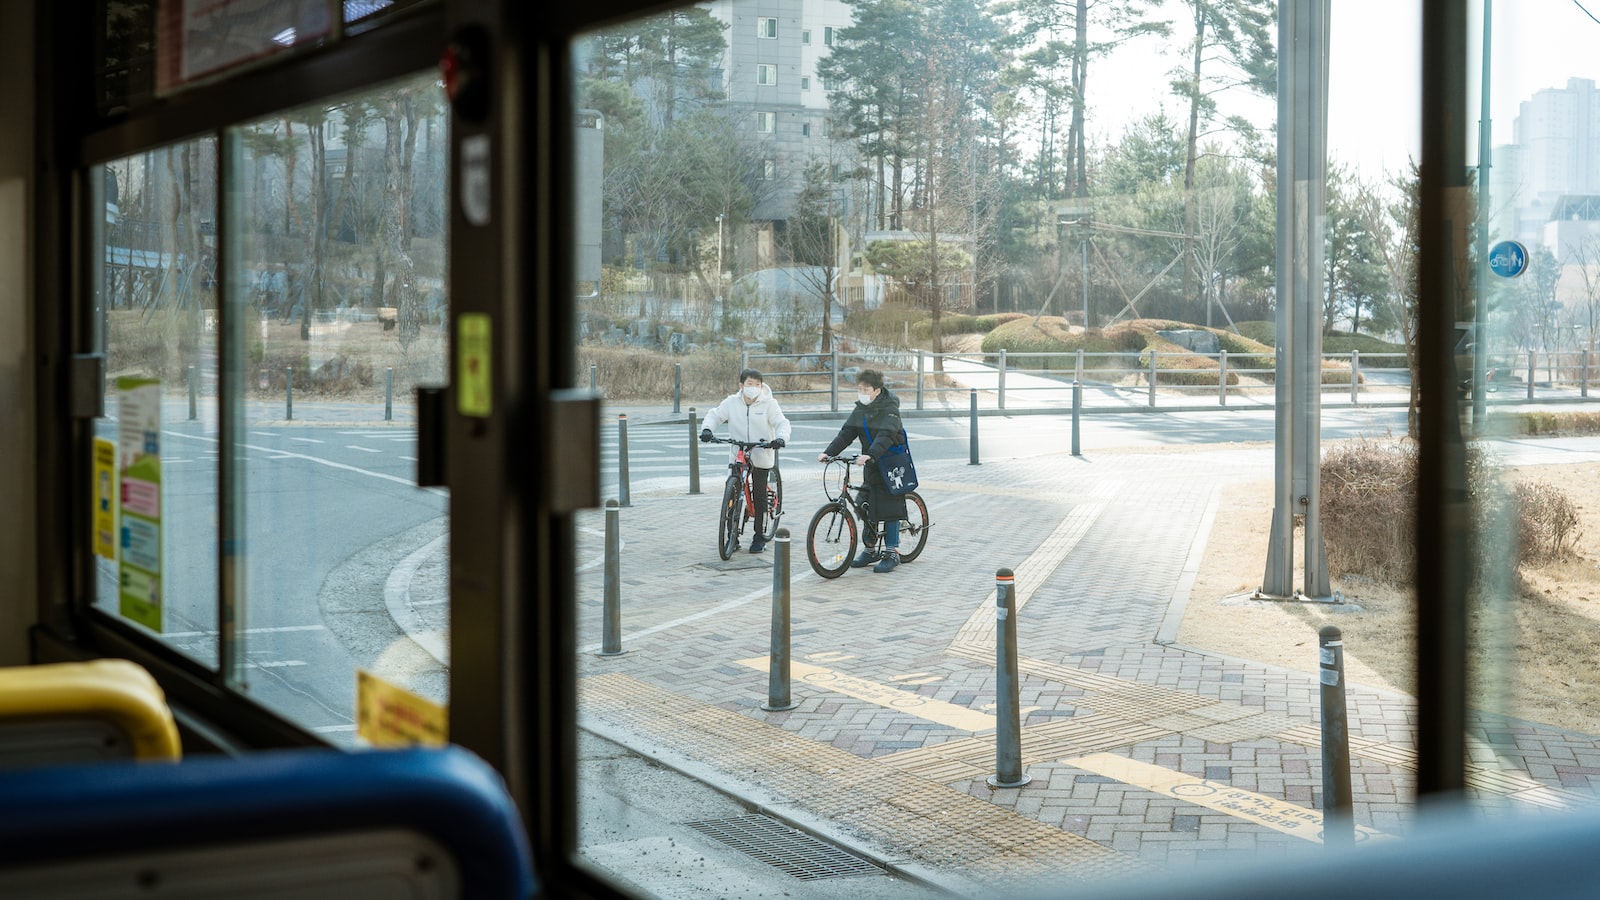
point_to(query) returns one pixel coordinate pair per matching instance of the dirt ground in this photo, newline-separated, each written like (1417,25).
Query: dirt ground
(1532,651)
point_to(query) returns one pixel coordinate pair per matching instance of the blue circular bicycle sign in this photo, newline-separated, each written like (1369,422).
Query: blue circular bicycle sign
(1508,259)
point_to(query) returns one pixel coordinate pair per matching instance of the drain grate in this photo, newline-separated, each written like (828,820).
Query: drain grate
(776,844)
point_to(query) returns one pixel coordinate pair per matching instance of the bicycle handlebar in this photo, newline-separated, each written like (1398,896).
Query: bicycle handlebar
(742,445)
(847,460)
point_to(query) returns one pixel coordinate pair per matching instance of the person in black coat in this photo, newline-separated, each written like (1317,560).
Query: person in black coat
(876,413)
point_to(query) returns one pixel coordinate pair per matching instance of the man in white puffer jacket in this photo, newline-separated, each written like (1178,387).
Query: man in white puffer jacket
(752,414)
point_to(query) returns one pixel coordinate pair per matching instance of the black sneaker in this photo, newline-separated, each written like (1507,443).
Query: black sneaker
(867,558)
(889,561)
(758,545)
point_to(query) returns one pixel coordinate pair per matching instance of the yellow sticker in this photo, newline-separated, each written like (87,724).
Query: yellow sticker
(391,716)
(473,383)
(104,517)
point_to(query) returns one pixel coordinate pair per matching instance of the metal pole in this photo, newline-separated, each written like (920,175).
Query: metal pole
(288,392)
(1530,373)
(694,455)
(1077,366)
(833,382)
(973,461)
(677,385)
(192,410)
(778,698)
(611,632)
(1338,821)
(1152,379)
(1077,407)
(1001,384)
(1222,379)
(622,458)
(591,378)
(1007,720)
(388,393)
(1583,385)
(1355,375)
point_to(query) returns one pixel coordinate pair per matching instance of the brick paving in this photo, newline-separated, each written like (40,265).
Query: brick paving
(1099,544)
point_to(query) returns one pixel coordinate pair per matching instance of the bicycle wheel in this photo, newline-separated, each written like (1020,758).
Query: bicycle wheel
(728,521)
(774,502)
(831,540)
(913,528)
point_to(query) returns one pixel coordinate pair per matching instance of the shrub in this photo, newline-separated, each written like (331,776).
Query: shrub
(1368,512)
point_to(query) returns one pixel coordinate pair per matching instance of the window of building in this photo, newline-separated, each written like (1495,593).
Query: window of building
(768,170)
(805,36)
(766,122)
(767,27)
(805,82)
(766,74)
(827,35)
(805,129)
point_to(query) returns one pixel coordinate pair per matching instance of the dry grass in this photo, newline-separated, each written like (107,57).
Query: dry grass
(1533,639)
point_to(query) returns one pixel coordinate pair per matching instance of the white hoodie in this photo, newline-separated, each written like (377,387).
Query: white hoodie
(758,420)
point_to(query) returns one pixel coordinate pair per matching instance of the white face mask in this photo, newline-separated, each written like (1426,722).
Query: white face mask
(864,397)
(752,392)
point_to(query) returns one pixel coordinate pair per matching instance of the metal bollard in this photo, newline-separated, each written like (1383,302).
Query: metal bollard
(611,617)
(622,458)
(591,377)
(1355,376)
(1222,379)
(1530,374)
(1583,385)
(288,392)
(778,699)
(694,455)
(1338,822)
(974,455)
(388,393)
(921,364)
(677,385)
(192,411)
(1077,408)
(1007,716)
(1152,379)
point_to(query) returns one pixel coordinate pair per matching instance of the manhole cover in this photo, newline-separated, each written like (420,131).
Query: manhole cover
(776,844)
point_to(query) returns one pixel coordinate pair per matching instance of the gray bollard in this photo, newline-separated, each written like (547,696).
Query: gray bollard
(1007,715)
(622,458)
(1338,821)
(192,411)
(778,699)
(1152,379)
(1000,381)
(974,455)
(677,385)
(1077,407)
(1222,378)
(611,617)
(1355,376)
(1583,384)
(591,378)
(694,455)
(388,393)
(288,392)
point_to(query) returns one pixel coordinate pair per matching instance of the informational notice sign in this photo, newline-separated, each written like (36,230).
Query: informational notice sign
(391,716)
(104,514)
(201,38)
(473,373)
(139,469)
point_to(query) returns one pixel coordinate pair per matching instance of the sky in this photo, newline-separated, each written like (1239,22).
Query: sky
(1374,106)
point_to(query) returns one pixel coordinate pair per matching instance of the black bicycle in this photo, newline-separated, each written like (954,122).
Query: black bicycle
(831,537)
(738,493)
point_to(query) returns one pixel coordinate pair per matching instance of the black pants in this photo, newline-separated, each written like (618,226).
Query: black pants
(758,496)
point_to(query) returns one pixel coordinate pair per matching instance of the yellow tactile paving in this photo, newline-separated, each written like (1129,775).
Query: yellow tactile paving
(1266,811)
(935,824)
(928,708)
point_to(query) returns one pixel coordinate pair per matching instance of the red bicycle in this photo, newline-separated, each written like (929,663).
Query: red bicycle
(738,503)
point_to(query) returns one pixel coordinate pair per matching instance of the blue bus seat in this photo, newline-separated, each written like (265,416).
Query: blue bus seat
(424,822)
(82,712)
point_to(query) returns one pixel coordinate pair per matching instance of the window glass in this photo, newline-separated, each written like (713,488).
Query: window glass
(338,302)
(1170,703)
(155,299)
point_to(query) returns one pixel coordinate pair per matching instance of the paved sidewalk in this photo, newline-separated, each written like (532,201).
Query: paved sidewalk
(1143,755)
